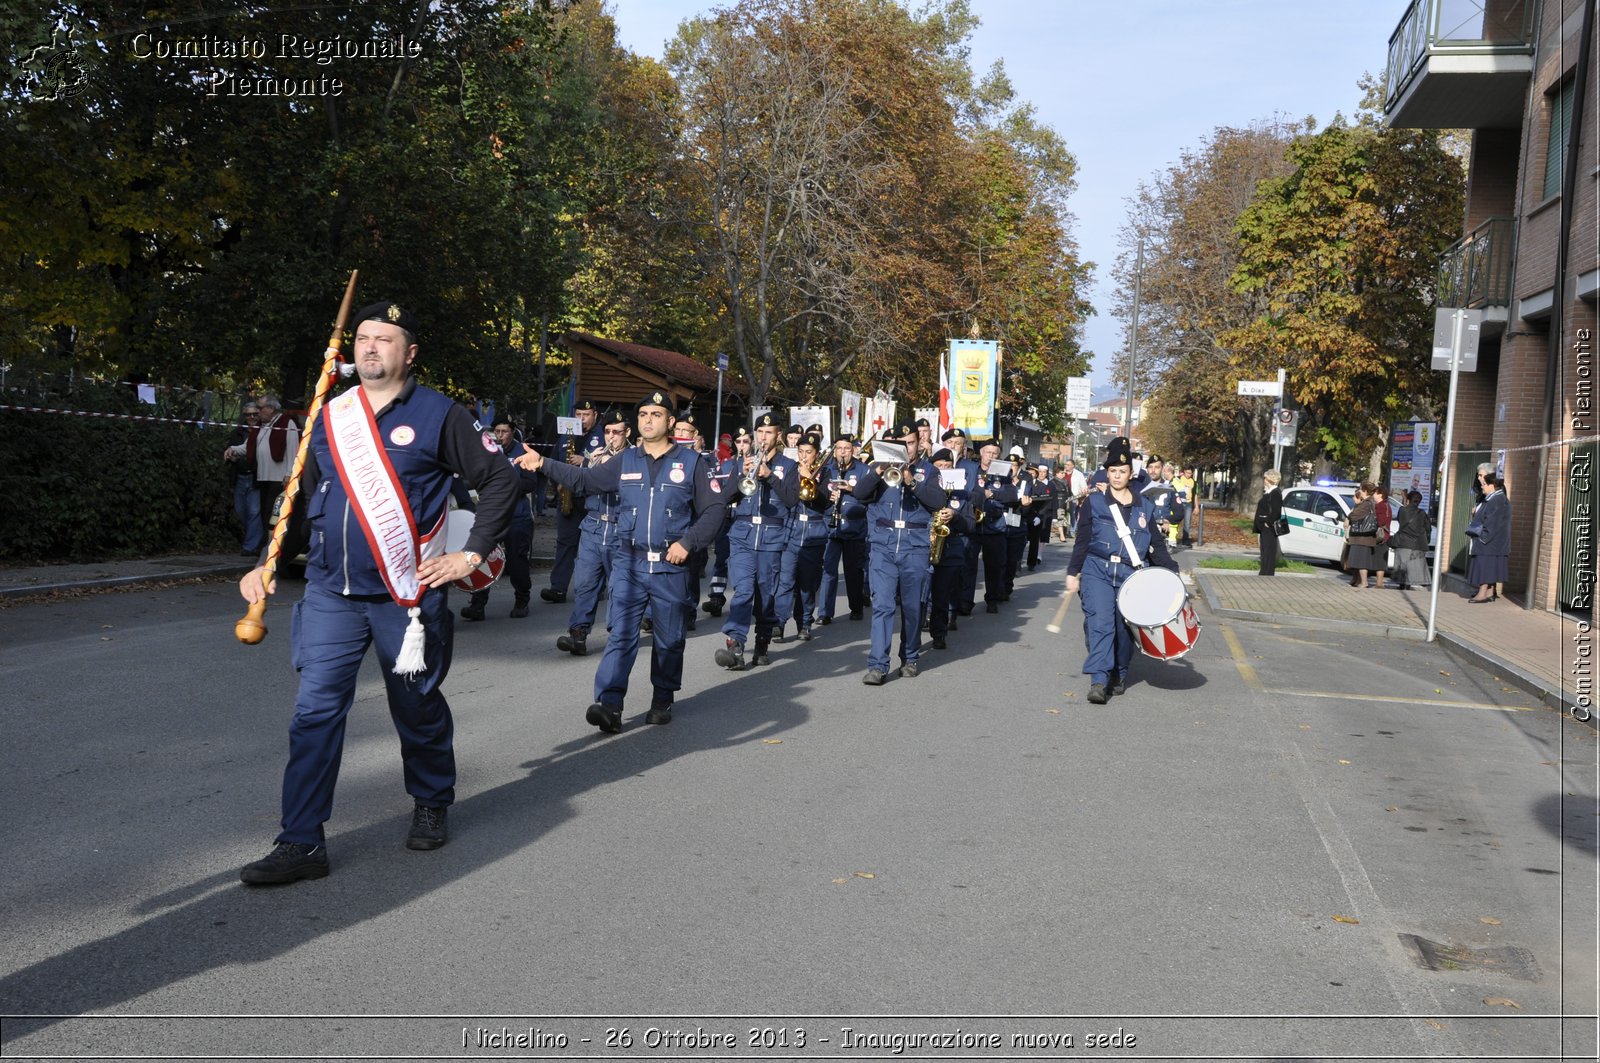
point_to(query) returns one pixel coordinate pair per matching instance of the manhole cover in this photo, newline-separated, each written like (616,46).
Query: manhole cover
(1511,961)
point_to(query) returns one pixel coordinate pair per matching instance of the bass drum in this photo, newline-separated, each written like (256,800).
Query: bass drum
(457,528)
(1156,607)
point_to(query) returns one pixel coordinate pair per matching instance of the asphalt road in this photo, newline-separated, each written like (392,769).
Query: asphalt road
(1262,850)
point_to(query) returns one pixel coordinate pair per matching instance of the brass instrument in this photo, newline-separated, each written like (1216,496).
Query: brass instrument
(749,486)
(940,532)
(808,481)
(566,501)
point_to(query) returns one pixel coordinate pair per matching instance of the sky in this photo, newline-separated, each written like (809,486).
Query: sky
(1130,85)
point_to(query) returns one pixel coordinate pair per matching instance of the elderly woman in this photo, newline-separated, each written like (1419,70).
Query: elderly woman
(1362,535)
(1269,510)
(1411,543)
(1491,548)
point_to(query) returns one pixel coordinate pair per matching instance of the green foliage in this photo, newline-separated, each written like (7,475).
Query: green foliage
(81,489)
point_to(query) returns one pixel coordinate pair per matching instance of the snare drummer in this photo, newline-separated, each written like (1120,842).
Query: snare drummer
(368,505)
(1114,527)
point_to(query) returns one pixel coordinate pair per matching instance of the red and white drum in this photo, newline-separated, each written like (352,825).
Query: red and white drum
(1156,606)
(457,527)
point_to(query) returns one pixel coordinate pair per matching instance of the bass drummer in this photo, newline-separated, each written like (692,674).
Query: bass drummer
(1116,535)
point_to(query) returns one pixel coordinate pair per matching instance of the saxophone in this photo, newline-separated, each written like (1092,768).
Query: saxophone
(566,501)
(940,533)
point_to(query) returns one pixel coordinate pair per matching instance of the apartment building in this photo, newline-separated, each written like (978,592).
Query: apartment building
(1521,75)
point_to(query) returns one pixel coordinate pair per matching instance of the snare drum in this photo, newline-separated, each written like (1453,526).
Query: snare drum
(457,527)
(1156,607)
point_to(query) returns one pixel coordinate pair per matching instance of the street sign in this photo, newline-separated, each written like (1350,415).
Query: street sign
(722,362)
(1444,323)
(1284,424)
(1261,387)
(1079,397)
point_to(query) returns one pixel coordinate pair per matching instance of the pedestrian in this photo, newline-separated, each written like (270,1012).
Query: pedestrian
(1361,534)
(246,501)
(1386,527)
(1116,536)
(519,534)
(1410,543)
(399,447)
(1187,499)
(1491,546)
(1269,522)
(271,452)
(670,507)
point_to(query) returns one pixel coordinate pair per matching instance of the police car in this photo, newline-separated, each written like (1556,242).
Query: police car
(1316,514)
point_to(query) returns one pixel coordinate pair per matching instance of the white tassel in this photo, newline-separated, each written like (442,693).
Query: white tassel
(411,661)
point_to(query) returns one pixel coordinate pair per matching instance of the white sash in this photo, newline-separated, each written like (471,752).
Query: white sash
(383,512)
(1122,530)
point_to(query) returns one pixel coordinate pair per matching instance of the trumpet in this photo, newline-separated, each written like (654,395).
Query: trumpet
(808,481)
(892,467)
(749,486)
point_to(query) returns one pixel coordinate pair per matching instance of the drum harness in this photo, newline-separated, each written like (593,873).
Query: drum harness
(1123,532)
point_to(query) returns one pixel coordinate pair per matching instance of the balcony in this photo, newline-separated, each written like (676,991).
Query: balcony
(1460,64)
(1476,272)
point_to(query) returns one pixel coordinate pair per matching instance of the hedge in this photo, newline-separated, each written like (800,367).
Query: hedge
(86,489)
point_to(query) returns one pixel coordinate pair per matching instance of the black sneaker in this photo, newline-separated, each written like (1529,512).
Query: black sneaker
(1097,695)
(874,678)
(660,712)
(553,596)
(428,830)
(731,657)
(288,862)
(606,717)
(909,670)
(471,612)
(519,610)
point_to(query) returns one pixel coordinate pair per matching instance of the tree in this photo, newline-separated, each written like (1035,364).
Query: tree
(1340,259)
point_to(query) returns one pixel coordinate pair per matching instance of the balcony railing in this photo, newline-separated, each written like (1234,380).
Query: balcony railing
(1476,271)
(1455,27)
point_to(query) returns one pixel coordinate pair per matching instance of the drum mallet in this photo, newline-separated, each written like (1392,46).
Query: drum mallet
(1054,626)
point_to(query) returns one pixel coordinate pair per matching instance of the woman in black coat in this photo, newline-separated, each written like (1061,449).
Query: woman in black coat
(1491,550)
(1269,510)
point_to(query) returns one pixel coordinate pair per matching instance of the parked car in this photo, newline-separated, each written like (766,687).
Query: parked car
(1316,513)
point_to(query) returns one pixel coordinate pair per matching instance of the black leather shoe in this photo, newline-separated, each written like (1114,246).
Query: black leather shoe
(648,627)
(909,670)
(575,642)
(288,862)
(660,712)
(519,610)
(874,678)
(1097,695)
(804,634)
(760,655)
(731,657)
(953,625)
(825,620)
(553,596)
(991,607)
(428,828)
(715,603)
(966,610)
(1119,684)
(606,717)
(855,614)
(939,643)
(469,612)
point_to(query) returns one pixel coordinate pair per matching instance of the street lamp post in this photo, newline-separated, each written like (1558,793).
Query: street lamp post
(1133,336)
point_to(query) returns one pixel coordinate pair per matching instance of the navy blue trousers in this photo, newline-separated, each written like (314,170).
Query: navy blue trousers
(328,636)
(633,591)
(898,585)
(753,575)
(593,572)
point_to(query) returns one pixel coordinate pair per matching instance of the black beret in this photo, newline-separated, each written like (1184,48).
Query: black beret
(583,404)
(390,314)
(954,433)
(815,429)
(845,437)
(766,420)
(742,433)
(812,441)
(1117,452)
(794,429)
(688,419)
(655,398)
(903,429)
(922,422)
(943,454)
(615,417)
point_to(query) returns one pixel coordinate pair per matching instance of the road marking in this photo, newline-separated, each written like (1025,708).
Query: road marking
(1402,701)
(1247,671)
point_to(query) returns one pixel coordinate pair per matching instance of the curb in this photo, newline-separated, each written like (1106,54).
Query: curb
(45,589)
(1559,700)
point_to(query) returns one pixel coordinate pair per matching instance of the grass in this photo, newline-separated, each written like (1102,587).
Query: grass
(1250,564)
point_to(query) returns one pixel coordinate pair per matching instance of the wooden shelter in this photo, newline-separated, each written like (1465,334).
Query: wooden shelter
(615,373)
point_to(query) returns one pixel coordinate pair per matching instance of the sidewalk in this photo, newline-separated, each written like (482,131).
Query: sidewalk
(1529,647)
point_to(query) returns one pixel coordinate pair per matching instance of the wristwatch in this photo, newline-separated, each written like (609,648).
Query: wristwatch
(473,559)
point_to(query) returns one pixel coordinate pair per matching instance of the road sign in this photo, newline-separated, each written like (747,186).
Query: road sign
(1261,387)
(1079,397)
(1444,323)
(1284,424)
(722,362)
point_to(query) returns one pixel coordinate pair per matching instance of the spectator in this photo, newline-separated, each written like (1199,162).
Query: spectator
(1410,543)
(1362,535)
(271,451)
(246,502)
(1269,511)
(1386,527)
(1491,547)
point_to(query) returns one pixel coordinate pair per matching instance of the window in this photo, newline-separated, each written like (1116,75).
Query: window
(1555,155)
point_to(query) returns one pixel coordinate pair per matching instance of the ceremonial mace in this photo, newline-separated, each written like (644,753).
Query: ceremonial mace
(251,627)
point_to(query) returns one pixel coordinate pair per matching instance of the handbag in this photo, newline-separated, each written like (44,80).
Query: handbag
(1281,526)
(1367,526)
